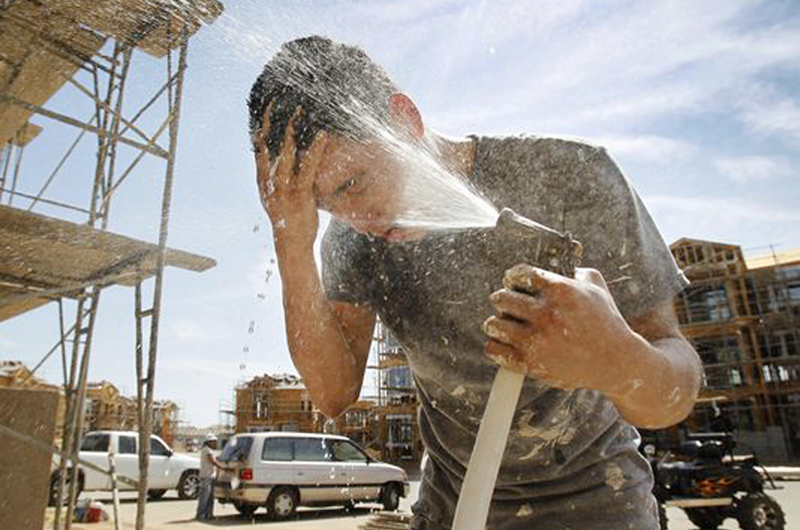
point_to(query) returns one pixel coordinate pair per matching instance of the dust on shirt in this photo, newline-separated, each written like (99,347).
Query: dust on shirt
(432,295)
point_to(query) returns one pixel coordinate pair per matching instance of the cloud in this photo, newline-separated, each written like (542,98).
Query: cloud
(648,148)
(772,114)
(728,219)
(186,330)
(751,169)
(734,209)
(587,67)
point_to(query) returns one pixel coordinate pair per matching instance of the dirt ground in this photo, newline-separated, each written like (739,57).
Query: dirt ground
(170,513)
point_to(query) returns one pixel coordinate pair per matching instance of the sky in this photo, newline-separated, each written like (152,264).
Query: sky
(698,102)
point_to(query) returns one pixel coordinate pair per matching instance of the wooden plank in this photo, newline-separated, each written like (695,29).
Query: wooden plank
(46,253)
(28,35)
(140,21)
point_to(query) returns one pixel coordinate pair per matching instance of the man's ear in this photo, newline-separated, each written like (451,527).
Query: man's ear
(405,115)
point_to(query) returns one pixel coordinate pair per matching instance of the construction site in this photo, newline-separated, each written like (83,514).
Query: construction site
(55,228)
(384,422)
(743,317)
(101,85)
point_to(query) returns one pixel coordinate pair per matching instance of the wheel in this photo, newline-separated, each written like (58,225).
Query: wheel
(662,517)
(349,506)
(245,509)
(53,489)
(759,511)
(154,495)
(390,497)
(705,518)
(282,503)
(189,485)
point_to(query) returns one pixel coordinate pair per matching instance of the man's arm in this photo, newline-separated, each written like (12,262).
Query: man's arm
(569,333)
(329,342)
(667,369)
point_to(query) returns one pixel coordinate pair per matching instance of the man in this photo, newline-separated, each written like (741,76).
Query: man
(602,351)
(205,494)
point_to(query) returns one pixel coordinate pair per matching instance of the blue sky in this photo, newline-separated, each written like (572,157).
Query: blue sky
(699,103)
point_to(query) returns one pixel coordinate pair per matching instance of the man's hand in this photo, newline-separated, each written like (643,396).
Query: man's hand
(567,332)
(286,184)
(570,334)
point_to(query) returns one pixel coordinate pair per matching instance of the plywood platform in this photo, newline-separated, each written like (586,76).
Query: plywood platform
(43,44)
(42,258)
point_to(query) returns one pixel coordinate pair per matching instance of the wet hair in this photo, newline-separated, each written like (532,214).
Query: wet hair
(336,86)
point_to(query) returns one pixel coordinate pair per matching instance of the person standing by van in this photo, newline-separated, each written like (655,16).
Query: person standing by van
(205,495)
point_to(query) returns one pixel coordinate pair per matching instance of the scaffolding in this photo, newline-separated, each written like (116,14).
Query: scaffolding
(395,429)
(88,47)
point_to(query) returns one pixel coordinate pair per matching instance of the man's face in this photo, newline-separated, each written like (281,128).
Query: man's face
(362,184)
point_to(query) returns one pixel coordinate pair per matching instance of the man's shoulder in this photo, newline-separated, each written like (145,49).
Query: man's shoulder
(546,147)
(527,166)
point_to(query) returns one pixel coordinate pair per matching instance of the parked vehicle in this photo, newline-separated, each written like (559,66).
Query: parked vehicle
(167,470)
(704,479)
(281,471)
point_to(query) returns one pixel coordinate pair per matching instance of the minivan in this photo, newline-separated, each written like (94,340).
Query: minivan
(283,470)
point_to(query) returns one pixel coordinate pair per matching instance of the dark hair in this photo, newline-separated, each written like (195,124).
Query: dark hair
(329,81)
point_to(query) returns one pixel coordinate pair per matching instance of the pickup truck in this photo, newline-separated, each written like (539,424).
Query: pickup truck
(168,470)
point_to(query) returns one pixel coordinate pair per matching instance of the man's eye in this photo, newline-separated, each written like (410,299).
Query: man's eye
(350,183)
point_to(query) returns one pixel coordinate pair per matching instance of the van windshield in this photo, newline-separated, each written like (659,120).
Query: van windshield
(237,449)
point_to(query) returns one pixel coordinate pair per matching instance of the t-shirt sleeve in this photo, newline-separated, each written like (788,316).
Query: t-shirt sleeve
(347,265)
(620,238)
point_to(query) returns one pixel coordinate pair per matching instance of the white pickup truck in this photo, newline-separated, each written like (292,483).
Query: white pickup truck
(168,470)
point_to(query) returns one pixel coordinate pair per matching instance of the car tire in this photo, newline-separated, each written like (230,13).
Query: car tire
(154,495)
(53,488)
(189,485)
(282,502)
(390,497)
(245,509)
(759,511)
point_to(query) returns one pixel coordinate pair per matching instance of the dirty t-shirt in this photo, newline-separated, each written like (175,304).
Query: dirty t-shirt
(570,460)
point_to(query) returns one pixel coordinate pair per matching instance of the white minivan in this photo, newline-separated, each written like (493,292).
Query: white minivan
(283,470)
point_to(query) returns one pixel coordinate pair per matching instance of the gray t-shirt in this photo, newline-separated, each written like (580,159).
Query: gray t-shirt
(569,453)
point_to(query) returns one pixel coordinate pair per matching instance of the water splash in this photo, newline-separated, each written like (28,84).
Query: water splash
(434,197)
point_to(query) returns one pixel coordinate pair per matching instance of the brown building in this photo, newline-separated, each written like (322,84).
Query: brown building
(742,317)
(275,403)
(106,408)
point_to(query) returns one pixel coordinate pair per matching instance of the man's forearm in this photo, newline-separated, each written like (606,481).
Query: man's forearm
(659,383)
(319,350)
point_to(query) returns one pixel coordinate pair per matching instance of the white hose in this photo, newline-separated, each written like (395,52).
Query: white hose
(484,463)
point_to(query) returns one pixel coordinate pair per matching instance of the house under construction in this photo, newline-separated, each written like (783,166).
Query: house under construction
(743,317)
(274,403)
(386,424)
